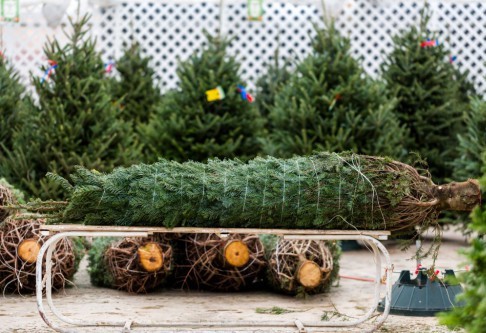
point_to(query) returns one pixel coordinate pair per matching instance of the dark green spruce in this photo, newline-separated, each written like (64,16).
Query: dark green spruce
(432,96)
(188,127)
(329,103)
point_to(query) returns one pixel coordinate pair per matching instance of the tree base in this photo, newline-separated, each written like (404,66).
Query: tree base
(220,264)
(296,266)
(139,265)
(19,241)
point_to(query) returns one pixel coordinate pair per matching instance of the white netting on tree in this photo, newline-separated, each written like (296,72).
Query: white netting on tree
(172,30)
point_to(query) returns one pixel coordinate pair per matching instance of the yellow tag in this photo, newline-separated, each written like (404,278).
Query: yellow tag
(216,94)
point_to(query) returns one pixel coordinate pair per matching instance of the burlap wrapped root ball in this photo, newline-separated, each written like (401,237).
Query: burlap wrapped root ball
(300,267)
(211,262)
(20,242)
(132,264)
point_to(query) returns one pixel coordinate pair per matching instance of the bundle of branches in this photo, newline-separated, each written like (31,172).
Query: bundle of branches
(133,264)
(321,191)
(300,267)
(20,242)
(8,196)
(230,263)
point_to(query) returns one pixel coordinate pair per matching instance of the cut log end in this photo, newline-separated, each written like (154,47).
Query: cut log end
(236,253)
(460,196)
(28,250)
(309,274)
(150,257)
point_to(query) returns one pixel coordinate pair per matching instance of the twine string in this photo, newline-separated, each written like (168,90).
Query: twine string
(298,197)
(246,191)
(318,187)
(283,193)
(264,189)
(155,184)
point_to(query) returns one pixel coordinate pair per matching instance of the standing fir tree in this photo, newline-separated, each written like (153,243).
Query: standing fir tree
(472,143)
(269,84)
(472,315)
(138,95)
(189,127)
(12,103)
(432,95)
(330,104)
(76,122)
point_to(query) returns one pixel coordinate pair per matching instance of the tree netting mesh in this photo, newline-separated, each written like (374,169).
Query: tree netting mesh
(321,191)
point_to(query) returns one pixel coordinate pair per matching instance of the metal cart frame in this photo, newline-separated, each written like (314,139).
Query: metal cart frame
(57,232)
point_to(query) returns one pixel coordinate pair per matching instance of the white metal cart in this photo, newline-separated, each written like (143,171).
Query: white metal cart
(44,283)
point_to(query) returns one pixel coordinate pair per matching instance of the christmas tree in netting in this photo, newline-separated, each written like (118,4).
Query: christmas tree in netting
(12,102)
(322,191)
(207,115)
(132,264)
(213,262)
(301,267)
(76,122)
(330,104)
(472,315)
(472,142)
(135,89)
(432,95)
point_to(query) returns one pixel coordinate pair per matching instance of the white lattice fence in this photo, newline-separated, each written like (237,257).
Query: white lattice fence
(172,30)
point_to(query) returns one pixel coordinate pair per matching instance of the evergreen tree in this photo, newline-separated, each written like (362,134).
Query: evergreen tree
(189,127)
(12,102)
(472,143)
(76,122)
(472,316)
(432,95)
(330,104)
(135,89)
(269,84)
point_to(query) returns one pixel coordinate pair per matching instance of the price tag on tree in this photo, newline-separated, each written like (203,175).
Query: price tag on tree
(255,10)
(10,10)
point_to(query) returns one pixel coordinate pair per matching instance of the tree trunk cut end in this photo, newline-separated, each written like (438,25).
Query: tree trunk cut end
(28,250)
(150,257)
(460,196)
(309,274)
(236,253)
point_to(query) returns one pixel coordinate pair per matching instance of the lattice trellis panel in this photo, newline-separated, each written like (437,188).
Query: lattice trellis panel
(172,30)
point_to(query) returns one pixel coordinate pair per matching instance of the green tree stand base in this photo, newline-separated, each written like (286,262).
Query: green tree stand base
(423,296)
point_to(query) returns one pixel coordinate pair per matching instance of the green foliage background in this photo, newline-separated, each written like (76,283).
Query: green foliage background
(330,104)
(75,122)
(188,127)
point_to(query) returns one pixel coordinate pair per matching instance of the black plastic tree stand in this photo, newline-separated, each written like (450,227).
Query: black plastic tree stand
(422,296)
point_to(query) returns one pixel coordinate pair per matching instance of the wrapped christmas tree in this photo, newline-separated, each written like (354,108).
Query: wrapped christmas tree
(300,267)
(209,261)
(75,122)
(133,264)
(135,89)
(322,191)
(20,243)
(208,115)
(432,95)
(329,103)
